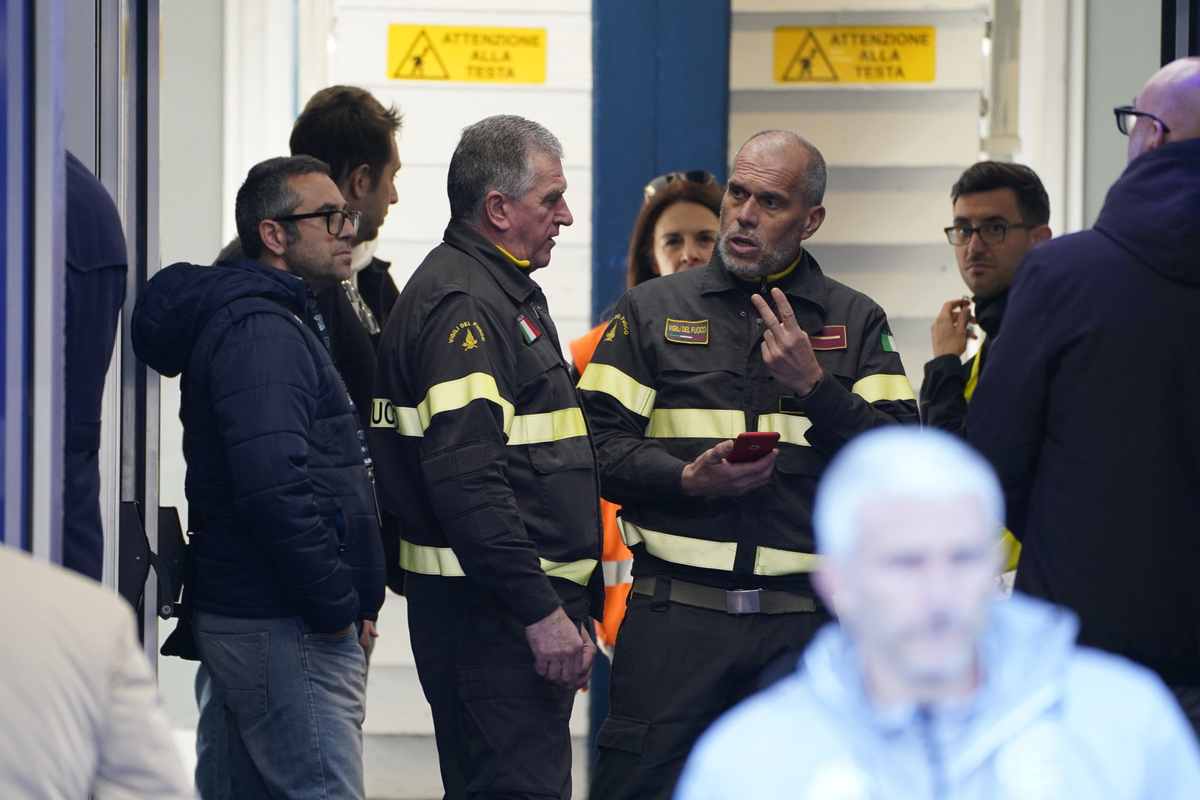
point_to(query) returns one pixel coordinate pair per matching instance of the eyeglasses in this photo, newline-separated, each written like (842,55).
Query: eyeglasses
(335,219)
(1127,118)
(700,176)
(990,232)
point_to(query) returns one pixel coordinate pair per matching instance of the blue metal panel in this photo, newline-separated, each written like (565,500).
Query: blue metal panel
(660,103)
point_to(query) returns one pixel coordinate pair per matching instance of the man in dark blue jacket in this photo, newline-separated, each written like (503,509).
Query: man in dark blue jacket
(96,262)
(1087,406)
(289,571)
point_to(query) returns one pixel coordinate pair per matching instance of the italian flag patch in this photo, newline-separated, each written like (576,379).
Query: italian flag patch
(889,344)
(529,331)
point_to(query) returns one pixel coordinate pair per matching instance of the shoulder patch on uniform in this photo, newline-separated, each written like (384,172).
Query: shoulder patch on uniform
(686,331)
(468,334)
(831,337)
(887,343)
(618,324)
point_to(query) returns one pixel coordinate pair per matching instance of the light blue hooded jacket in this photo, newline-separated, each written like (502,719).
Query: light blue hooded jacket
(1050,721)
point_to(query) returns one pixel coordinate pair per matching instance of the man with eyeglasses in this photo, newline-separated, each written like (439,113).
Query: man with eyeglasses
(1001,212)
(1088,405)
(288,568)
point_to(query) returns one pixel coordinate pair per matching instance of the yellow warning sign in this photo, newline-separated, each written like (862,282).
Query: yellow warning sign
(855,55)
(474,55)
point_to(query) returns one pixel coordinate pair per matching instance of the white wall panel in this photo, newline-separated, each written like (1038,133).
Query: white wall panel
(935,128)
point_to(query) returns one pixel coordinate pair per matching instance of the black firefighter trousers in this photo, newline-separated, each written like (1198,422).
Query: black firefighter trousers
(675,670)
(502,731)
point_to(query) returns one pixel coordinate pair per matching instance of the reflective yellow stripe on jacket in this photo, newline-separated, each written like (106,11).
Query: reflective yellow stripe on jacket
(429,560)
(547,426)
(706,554)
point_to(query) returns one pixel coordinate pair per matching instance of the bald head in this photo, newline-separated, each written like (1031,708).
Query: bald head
(792,148)
(1172,95)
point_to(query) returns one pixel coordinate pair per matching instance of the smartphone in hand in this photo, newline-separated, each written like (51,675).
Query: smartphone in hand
(751,446)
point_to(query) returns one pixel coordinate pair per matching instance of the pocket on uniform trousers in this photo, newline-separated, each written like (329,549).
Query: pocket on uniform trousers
(623,733)
(238,663)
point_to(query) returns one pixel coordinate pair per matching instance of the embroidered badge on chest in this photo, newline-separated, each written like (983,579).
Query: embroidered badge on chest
(687,331)
(530,331)
(831,337)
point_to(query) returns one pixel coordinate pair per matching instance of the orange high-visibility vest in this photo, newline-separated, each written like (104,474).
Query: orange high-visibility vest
(616,560)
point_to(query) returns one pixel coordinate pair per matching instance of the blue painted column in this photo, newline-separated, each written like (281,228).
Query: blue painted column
(660,103)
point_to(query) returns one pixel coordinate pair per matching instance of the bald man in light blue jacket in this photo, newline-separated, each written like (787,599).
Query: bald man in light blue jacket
(931,687)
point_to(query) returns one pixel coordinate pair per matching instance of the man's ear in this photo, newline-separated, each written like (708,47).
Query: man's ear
(273,235)
(359,182)
(816,216)
(1041,233)
(495,211)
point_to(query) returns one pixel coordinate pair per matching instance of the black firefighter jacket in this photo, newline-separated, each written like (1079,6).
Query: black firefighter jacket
(680,369)
(276,474)
(484,454)
(1088,409)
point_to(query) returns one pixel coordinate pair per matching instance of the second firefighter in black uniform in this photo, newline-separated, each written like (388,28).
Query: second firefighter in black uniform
(485,458)
(758,340)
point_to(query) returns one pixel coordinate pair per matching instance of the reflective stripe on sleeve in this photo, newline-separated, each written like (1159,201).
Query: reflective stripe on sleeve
(453,395)
(692,552)
(618,572)
(695,423)
(404,420)
(574,571)
(616,384)
(551,426)
(430,560)
(874,388)
(790,427)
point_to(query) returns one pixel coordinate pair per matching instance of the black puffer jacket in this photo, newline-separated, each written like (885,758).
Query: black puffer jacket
(288,522)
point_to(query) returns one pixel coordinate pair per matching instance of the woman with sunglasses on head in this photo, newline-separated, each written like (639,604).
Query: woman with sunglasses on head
(676,230)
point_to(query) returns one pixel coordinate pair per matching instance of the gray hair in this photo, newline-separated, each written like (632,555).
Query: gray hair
(815,175)
(899,462)
(495,154)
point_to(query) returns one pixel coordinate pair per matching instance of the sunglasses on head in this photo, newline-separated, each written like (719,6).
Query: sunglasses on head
(700,176)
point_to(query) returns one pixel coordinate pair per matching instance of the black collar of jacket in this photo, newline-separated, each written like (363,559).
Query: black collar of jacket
(515,282)
(807,283)
(990,313)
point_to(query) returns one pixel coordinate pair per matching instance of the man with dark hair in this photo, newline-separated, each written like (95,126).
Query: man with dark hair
(1088,405)
(1001,212)
(757,341)
(353,133)
(486,459)
(288,568)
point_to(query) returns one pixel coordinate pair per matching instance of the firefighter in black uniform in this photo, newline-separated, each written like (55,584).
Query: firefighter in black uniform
(758,340)
(1001,212)
(485,458)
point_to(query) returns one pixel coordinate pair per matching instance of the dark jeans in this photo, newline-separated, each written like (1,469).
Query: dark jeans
(675,670)
(503,732)
(294,703)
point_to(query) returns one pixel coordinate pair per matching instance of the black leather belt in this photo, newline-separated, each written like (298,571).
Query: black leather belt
(735,601)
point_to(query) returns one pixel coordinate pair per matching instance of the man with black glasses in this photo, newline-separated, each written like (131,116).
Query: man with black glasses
(1001,212)
(288,565)
(1088,405)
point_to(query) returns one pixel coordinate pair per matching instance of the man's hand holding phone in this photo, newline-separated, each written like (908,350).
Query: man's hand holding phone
(714,474)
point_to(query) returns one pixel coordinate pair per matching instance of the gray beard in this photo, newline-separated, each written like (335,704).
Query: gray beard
(771,262)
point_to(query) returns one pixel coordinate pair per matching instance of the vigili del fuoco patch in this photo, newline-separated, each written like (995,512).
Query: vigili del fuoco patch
(687,331)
